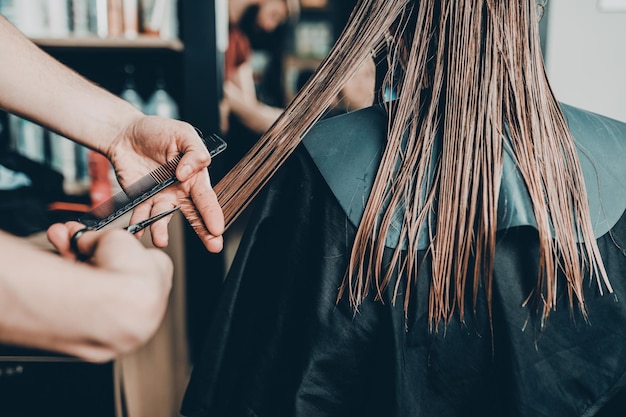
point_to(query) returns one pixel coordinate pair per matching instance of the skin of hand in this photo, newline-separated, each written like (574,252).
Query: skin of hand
(256,115)
(94,310)
(149,142)
(40,88)
(115,301)
(224,111)
(359,91)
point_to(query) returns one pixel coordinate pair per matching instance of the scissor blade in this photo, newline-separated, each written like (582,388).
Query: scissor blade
(134,228)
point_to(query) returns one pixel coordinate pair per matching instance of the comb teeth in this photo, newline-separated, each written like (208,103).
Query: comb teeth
(167,170)
(138,192)
(215,144)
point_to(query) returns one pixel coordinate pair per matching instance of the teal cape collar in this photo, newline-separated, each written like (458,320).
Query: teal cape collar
(347,150)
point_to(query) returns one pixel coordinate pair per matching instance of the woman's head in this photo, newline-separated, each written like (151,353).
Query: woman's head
(273,13)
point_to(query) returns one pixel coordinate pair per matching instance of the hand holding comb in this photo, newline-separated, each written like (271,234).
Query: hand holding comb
(138,192)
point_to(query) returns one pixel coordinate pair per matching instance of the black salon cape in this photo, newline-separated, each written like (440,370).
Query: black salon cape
(280,345)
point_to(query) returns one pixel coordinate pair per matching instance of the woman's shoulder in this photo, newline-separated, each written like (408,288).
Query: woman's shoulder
(601,145)
(584,123)
(347,151)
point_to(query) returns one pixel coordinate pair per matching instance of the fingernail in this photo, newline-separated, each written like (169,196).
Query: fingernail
(185,172)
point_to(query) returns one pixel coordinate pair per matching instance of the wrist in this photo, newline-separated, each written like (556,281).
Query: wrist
(113,126)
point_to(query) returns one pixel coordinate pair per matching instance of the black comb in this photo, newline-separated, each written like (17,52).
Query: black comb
(141,190)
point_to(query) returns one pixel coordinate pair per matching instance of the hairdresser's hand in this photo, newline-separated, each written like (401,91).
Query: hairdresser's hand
(40,88)
(150,141)
(114,250)
(224,111)
(235,99)
(134,280)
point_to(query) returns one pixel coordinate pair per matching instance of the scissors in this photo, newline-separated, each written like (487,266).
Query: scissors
(133,228)
(139,226)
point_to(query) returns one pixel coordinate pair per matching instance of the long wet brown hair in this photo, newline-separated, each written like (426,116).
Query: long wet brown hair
(468,72)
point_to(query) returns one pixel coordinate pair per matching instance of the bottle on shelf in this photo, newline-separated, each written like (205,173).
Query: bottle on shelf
(58,18)
(27,138)
(160,102)
(129,91)
(130,17)
(169,25)
(63,160)
(99,18)
(30,17)
(160,18)
(115,17)
(81,162)
(80,17)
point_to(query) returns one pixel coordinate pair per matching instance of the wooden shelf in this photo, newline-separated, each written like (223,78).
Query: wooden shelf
(141,42)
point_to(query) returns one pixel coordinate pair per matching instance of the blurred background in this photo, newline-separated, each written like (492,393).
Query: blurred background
(169,57)
(585,53)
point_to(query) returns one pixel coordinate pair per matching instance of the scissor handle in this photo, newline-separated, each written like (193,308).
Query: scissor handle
(133,228)
(74,243)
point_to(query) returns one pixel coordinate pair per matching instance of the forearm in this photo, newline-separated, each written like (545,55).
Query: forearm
(51,303)
(256,115)
(241,98)
(37,87)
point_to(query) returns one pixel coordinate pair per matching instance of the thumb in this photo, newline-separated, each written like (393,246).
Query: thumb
(195,157)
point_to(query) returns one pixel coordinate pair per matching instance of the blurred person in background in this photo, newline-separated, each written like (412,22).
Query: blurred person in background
(240,95)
